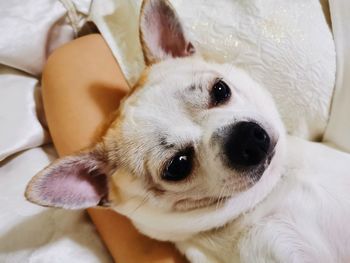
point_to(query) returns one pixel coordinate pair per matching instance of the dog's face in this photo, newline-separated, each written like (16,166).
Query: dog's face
(191,136)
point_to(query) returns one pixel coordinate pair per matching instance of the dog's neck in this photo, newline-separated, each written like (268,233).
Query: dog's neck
(228,238)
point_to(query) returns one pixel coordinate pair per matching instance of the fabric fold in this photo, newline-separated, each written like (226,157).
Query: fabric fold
(19,115)
(338,130)
(30,31)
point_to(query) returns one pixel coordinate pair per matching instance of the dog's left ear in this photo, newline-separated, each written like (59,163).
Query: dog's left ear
(73,182)
(161,33)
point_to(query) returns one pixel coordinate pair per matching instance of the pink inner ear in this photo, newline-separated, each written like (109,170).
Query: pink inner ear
(75,182)
(171,36)
(162,31)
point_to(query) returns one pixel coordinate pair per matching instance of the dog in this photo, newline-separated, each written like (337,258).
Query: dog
(198,155)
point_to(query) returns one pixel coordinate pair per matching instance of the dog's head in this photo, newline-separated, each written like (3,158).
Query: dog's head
(193,145)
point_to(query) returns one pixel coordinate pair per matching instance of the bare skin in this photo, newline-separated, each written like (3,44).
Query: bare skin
(82,85)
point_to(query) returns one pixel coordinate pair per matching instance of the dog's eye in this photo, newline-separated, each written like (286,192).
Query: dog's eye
(220,93)
(179,167)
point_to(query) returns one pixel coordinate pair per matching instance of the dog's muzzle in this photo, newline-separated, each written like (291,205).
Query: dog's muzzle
(247,145)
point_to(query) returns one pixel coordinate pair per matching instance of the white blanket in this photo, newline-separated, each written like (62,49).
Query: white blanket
(301,72)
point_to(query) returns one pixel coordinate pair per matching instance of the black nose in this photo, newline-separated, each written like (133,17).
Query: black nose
(247,144)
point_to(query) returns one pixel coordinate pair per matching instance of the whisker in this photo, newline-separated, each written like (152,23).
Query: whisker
(221,195)
(143,201)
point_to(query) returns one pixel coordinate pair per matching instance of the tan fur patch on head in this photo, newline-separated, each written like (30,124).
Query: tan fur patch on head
(107,123)
(141,81)
(118,116)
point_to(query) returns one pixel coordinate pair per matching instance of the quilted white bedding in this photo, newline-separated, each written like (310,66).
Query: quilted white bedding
(285,45)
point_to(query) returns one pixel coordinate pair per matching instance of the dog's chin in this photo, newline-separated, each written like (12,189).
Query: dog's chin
(249,179)
(191,204)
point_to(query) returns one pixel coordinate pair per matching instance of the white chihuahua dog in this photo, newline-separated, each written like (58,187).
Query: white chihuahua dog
(198,155)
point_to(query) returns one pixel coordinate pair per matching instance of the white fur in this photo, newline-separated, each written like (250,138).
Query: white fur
(304,219)
(301,217)
(296,212)
(165,112)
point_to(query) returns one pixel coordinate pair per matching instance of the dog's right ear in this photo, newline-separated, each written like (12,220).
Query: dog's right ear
(72,182)
(161,33)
